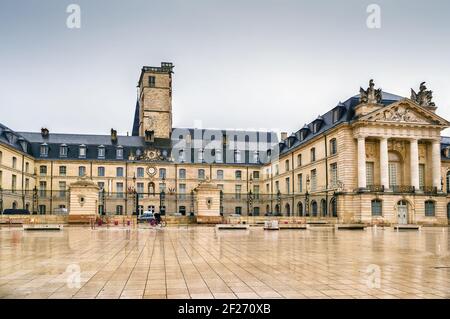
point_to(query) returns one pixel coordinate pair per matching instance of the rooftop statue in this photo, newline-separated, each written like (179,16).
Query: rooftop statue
(371,95)
(423,97)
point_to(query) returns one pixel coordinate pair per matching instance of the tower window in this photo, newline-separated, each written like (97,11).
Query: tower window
(151,81)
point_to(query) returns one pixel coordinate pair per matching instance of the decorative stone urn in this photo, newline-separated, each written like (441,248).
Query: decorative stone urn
(83,201)
(208,203)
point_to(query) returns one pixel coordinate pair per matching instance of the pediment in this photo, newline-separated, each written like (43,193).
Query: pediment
(405,112)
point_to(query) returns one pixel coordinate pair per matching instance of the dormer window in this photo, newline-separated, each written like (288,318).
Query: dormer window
(119,152)
(218,156)
(63,150)
(82,151)
(255,157)
(101,152)
(316,127)
(237,156)
(23,144)
(9,135)
(44,150)
(181,156)
(335,115)
(200,156)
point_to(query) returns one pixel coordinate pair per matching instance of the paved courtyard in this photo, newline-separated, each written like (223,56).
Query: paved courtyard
(200,262)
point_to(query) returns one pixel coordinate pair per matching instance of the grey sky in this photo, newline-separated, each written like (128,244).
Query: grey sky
(238,64)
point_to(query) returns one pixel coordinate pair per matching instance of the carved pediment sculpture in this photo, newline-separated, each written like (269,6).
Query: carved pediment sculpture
(423,97)
(371,95)
(400,113)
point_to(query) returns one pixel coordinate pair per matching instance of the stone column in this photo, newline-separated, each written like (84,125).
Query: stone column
(384,163)
(436,163)
(362,184)
(414,153)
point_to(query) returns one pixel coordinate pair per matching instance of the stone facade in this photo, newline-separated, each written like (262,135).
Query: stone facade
(384,158)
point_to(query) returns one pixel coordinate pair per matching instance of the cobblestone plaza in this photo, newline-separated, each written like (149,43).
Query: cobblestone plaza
(202,262)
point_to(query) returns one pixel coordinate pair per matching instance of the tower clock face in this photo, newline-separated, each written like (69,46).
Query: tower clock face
(151,171)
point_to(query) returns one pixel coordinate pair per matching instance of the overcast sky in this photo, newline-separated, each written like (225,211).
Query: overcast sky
(238,64)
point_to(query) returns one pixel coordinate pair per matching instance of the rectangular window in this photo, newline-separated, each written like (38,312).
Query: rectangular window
(429,209)
(101,152)
(377,208)
(277,171)
(219,158)
(140,189)
(119,153)
(151,81)
(182,173)
(392,175)
(62,171)
(182,191)
(300,183)
(299,160)
(255,174)
(333,146)
(42,189)
(44,150)
(119,171)
(27,183)
(422,176)
(162,187)
(286,166)
(62,189)
(333,175)
(256,191)
(14,183)
(119,209)
(219,174)
(140,172)
(201,174)
(14,162)
(313,155)
(238,189)
(81,171)
(335,116)
(288,185)
(369,174)
(277,186)
(63,151)
(238,175)
(101,171)
(238,210)
(119,189)
(313,180)
(162,173)
(43,170)
(82,152)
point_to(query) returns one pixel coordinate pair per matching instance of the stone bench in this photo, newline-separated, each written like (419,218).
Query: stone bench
(351,227)
(232,226)
(406,227)
(43,227)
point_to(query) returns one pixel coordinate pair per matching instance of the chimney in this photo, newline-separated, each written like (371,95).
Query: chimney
(113,135)
(283,136)
(44,132)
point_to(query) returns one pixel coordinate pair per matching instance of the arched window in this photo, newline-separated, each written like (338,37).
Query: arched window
(14,205)
(430,209)
(377,207)
(300,209)
(314,208)
(277,209)
(267,209)
(333,207)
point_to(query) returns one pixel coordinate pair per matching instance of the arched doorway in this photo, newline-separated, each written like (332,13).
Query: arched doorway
(402,212)
(300,209)
(333,207)
(448,212)
(287,209)
(314,208)
(277,209)
(323,208)
(14,205)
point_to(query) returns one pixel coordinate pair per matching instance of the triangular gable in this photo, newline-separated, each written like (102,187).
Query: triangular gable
(405,111)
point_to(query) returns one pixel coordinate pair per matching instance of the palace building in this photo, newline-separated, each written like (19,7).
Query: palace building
(376,158)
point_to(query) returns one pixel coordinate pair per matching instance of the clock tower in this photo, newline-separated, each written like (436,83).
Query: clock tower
(154,107)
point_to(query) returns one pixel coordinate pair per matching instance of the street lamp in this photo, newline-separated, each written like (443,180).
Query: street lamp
(307,196)
(162,197)
(278,203)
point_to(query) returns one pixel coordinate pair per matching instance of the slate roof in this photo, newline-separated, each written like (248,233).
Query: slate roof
(346,114)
